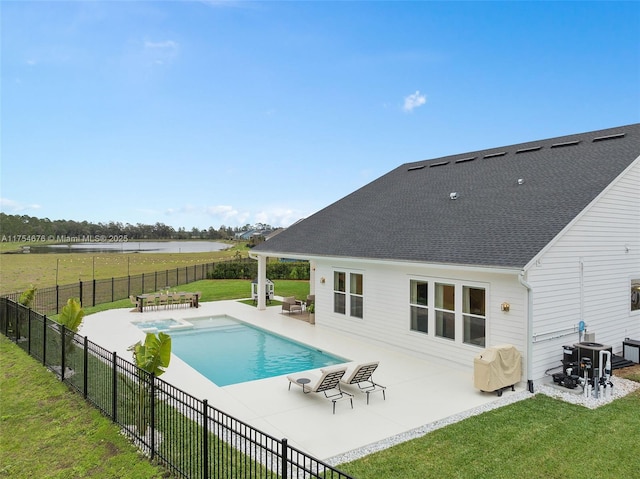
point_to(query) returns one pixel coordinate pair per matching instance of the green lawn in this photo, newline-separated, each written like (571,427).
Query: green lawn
(48,431)
(220,289)
(539,437)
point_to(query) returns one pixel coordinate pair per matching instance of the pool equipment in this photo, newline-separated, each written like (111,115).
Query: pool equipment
(587,365)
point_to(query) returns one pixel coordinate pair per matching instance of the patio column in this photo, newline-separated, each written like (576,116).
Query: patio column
(262,282)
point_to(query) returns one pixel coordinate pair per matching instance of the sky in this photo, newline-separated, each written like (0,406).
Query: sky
(201,114)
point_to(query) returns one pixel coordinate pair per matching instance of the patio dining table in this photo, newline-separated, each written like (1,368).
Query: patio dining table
(178,298)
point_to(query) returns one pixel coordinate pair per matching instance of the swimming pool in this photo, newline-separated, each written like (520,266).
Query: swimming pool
(228,351)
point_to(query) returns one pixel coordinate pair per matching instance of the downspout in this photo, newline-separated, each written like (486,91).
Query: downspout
(529,330)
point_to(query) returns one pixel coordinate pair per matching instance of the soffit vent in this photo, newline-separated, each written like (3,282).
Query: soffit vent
(413,168)
(464,160)
(566,143)
(495,155)
(525,150)
(609,137)
(442,163)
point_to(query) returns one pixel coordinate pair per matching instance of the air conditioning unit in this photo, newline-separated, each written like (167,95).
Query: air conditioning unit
(592,351)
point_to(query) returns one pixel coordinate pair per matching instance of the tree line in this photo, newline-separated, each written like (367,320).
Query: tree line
(24,225)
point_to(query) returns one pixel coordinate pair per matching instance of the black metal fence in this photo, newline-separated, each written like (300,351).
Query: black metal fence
(51,300)
(187,435)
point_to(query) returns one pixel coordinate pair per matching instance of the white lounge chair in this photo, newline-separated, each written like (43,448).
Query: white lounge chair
(361,376)
(328,381)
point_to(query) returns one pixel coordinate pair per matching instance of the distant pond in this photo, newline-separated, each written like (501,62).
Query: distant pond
(133,247)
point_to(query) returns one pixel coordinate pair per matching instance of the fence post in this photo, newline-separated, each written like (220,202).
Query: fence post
(114,387)
(112,289)
(29,332)
(285,458)
(155,279)
(94,293)
(44,341)
(205,439)
(17,323)
(81,303)
(153,415)
(85,367)
(128,285)
(142,283)
(57,299)
(63,336)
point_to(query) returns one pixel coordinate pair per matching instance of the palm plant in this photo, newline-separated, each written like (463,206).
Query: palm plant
(152,358)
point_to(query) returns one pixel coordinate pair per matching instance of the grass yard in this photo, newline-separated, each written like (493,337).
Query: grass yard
(19,270)
(539,437)
(48,431)
(219,290)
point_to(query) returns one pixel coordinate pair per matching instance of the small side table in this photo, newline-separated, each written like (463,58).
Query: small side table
(303,381)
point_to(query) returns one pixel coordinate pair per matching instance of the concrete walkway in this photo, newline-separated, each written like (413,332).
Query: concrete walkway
(418,392)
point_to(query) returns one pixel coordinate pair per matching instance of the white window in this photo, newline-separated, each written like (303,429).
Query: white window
(355,296)
(635,295)
(445,310)
(419,303)
(454,311)
(473,315)
(339,292)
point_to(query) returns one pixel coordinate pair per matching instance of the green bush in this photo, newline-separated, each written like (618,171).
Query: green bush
(248,269)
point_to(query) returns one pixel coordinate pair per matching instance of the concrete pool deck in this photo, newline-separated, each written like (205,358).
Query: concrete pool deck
(419,391)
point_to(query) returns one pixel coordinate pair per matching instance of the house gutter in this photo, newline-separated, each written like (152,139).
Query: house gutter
(529,329)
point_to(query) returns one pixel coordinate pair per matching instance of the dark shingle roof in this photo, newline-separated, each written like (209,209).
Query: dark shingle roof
(407,214)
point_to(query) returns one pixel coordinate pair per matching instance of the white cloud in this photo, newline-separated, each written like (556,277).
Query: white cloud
(170,44)
(414,101)
(162,52)
(11,206)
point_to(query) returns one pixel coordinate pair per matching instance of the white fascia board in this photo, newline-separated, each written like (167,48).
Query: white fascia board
(445,266)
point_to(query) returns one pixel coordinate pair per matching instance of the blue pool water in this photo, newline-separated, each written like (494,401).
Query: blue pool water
(160,324)
(228,351)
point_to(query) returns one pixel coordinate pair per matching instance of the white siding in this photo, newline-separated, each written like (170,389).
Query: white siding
(387,313)
(585,275)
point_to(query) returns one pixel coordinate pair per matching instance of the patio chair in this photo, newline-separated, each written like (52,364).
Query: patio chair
(188,300)
(134,301)
(327,383)
(162,300)
(361,376)
(290,305)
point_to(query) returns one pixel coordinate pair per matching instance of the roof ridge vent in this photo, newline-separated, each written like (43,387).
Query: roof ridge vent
(413,168)
(494,155)
(565,143)
(442,163)
(609,137)
(525,150)
(464,160)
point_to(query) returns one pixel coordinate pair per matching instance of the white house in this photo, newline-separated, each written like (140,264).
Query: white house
(513,245)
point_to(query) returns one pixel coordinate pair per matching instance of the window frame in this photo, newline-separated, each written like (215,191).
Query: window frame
(348,301)
(451,325)
(419,310)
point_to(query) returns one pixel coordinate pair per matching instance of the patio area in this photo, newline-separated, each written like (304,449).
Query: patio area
(419,392)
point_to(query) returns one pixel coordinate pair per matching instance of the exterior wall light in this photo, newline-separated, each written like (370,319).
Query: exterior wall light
(322,280)
(505,307)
